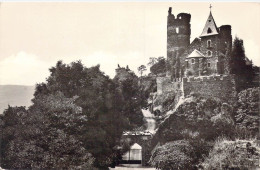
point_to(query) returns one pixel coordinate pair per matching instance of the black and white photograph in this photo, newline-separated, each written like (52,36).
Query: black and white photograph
(128,85)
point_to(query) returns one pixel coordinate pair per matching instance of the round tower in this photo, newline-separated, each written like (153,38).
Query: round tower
(178,37)
(225,36)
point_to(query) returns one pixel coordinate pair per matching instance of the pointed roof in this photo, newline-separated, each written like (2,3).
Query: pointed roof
(136,146)
(195,54)
(210,27)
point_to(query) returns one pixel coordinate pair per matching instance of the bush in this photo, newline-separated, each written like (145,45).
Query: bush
(247,113)
(173,155)
(239,154)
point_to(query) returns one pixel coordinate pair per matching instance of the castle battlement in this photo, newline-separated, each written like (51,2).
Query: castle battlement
(220,86)
(207,78)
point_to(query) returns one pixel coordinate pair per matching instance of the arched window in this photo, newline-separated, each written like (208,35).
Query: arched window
(208,64)
(177,30)
(209,43)
(192,61)
(209,53)
(209,31)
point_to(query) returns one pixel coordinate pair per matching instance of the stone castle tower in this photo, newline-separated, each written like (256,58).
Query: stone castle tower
(204,56)
(178,37)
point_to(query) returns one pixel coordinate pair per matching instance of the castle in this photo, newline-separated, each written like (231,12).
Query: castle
(200,66)
(197,67)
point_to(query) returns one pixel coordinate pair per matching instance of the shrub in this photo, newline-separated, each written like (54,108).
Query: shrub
(239,154)
(247,114)
(173,155)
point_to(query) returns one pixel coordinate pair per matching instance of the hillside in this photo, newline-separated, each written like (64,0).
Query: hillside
(15,95)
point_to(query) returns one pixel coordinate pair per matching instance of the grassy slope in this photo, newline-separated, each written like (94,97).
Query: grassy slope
(15,95)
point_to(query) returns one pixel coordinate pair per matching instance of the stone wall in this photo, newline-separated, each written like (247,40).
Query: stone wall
(165,84)
(222,87)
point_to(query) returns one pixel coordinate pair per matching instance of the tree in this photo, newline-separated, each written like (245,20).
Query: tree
(129,98)
(77,112)
(97,96)
(239,66)
(159,67)
(173,155)
(141,69)
(152,61)
(44,137)
(238,57)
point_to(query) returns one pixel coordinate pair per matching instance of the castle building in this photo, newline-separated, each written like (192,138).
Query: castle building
(204,55)
(200,66)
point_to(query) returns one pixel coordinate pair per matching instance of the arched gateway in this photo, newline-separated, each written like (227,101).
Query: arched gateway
(134,155)
(139,151)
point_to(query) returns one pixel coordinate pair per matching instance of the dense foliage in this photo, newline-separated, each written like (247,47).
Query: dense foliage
(158,65)
(173,155)
(130,99)
(238,154)
(240,65)
(42,137)
(247,113)
(76,121)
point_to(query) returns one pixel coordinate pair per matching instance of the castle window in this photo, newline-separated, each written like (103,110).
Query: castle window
(210,20)
(209,43)
(192,61)
(209,53)
(208,64)
(209,31)
(179,17)
(177,30)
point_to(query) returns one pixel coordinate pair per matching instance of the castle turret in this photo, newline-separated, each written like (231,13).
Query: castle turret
(178,37)
(225,37)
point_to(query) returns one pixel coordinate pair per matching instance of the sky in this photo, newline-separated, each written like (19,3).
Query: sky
(35,35)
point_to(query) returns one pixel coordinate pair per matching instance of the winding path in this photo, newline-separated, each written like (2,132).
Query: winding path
(149,117)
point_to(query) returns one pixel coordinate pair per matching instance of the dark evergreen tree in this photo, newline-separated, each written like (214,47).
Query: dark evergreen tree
(239,65)
(238,57)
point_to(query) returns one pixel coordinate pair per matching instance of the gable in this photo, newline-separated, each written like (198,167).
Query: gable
(210,27)
(196,54)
